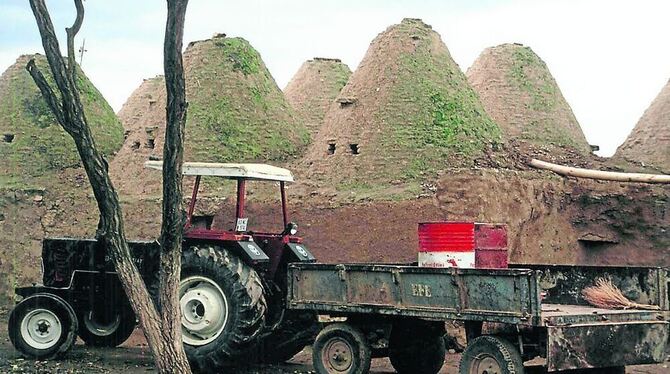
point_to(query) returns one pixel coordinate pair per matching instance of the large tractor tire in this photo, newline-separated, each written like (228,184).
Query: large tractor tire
(106,331)
(223,307)
(295,332)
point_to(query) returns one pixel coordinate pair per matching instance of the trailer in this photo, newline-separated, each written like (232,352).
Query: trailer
(511,316)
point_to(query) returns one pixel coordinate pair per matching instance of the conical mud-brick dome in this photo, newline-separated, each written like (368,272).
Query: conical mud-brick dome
(236,113)
(406,113)
(649,142)
(314,88)
(519,92)
(33,145)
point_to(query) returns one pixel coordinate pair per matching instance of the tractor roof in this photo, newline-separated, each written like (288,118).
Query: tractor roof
(232,171)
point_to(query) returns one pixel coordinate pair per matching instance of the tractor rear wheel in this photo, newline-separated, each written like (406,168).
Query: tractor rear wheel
(223,307)
(106,331)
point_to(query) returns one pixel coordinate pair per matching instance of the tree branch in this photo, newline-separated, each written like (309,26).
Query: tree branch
(47,92)
(71,33)
(52,49)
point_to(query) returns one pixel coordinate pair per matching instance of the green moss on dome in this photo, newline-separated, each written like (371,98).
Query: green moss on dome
(236,111)
(39,146)
(531,75)
(439,115)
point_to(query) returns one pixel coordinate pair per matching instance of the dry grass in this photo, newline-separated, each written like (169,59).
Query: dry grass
(608,296)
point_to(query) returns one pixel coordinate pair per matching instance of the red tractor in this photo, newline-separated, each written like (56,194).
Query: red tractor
(232,290)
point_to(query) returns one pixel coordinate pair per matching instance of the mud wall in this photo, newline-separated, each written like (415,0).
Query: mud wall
(550,220)
(26,217)
(557,220)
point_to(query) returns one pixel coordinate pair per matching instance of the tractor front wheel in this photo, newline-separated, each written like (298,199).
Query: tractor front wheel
(42,326)
(223,307)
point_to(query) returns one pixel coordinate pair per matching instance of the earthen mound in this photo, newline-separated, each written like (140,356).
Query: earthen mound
(314,88)
(649,142)
(34,147)
(520,94)
(236,113)
(406,113)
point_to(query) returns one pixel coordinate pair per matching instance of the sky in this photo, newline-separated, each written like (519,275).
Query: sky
(609,57)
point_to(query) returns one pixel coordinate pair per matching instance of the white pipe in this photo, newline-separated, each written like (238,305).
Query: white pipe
(599,174)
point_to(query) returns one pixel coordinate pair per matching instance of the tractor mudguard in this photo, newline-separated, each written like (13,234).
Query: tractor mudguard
(85,289)
(301,252)
(249,251)
(31,290)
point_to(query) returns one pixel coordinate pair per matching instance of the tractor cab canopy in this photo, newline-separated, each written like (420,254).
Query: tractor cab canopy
(240,173)
(231,171)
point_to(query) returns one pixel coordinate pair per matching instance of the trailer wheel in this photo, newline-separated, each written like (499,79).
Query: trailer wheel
(488,354)
(223,306)
(42,326)
(107,332)
(341,349)
(417,348)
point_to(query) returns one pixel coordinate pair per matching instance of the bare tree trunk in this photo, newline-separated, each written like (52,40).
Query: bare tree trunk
(159,328)
(172,229)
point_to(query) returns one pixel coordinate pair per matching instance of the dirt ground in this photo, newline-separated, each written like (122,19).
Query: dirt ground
(134,357)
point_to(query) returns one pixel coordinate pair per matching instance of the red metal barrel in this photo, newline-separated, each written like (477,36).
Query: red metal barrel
(462,244)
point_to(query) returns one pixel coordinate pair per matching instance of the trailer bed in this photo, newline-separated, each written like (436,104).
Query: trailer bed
(493,295)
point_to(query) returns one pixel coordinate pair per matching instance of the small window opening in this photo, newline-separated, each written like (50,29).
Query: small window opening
(354,149)
(150,143)
(136,145)
(126,134)
(346,101)
(8,138)
(152,103)
(331,148)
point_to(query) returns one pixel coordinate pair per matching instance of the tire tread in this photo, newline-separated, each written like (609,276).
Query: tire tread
(247,289)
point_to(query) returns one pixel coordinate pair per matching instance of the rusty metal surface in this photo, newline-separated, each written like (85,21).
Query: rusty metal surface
(606,345)
(558,315)
(509,296)
(563,284)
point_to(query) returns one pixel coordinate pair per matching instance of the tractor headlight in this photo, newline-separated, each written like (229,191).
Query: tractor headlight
(291,229)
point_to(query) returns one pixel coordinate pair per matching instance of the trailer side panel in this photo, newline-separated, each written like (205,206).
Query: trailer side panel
(509,296)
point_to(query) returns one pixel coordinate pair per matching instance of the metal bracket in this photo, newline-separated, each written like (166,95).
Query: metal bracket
(341,272)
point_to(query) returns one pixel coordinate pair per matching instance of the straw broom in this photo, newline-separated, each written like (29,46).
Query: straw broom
(608,296)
